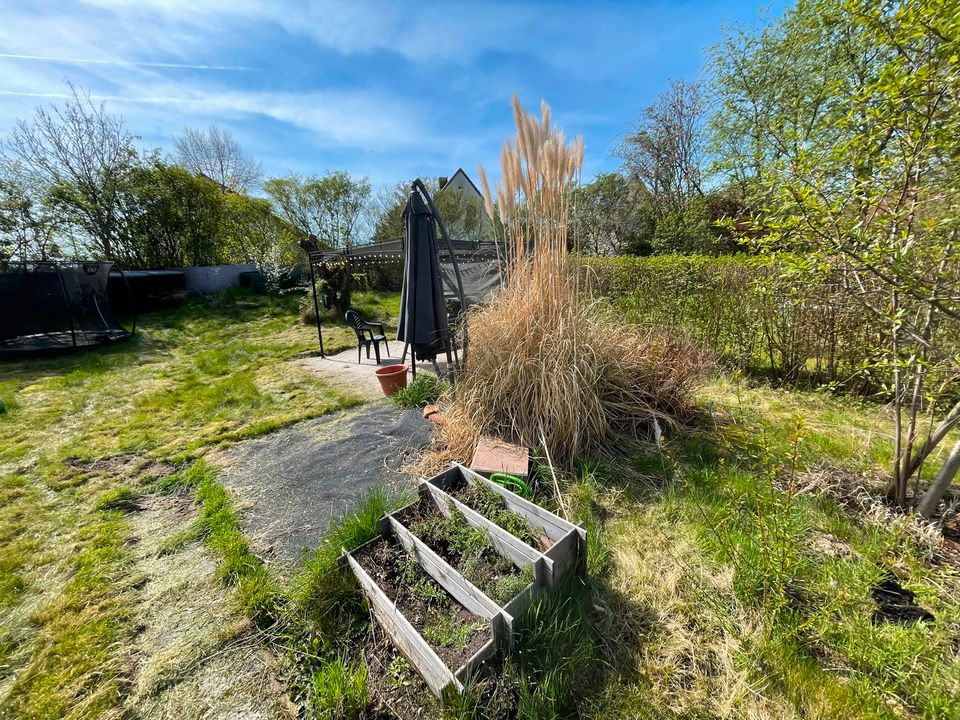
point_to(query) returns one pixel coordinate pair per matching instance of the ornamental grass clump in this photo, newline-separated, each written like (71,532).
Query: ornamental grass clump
(547,365)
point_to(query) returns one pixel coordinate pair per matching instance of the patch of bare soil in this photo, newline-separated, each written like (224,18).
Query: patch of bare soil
(453,632)
(113,470)
(196,656)
(395,690)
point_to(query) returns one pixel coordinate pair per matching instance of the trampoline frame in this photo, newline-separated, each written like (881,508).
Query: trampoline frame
(11,348)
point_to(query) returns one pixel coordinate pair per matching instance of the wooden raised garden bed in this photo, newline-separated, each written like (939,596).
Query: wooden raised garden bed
(562,545)
(403,617)
(434,547)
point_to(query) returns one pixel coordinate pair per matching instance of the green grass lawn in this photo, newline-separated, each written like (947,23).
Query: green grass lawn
(211,372)
(730,573)
(742,565)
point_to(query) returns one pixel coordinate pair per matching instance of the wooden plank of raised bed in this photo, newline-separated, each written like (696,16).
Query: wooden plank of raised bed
(466,670)
(403,635)
(463,591)
(511,547)
(518,606)
(565,553)
(553,525)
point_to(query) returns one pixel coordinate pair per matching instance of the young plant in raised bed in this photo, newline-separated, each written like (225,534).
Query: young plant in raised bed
(400,672)
(471,552)
(486,502)
(448,630)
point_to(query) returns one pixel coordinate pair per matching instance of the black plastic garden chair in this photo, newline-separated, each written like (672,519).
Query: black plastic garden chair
(365,335)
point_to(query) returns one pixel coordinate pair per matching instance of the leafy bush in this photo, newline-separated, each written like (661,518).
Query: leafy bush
(754,313)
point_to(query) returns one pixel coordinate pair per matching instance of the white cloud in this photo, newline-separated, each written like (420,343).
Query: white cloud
(119,63)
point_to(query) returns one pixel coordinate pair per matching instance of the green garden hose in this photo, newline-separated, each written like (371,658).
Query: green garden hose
(511,482)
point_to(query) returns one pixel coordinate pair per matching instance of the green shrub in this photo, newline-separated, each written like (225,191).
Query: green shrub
(756,314)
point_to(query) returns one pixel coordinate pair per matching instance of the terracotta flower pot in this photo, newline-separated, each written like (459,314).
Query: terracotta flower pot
(392,378)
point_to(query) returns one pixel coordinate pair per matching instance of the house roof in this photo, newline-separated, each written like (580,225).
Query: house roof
(465,177)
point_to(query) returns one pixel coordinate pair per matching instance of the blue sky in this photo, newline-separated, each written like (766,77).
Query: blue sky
(388,90)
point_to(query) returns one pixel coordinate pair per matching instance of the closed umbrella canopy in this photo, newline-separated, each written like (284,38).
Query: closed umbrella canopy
(423,317)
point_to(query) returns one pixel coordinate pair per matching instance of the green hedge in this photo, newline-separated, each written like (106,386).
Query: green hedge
(752,312)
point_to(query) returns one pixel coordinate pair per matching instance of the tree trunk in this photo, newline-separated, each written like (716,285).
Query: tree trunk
(940,483)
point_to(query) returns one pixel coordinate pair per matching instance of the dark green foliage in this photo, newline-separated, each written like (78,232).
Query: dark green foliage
(424,390)
(174,217)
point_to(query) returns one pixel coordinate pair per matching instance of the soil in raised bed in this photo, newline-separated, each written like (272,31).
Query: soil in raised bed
(455,633)
(486,502)
(394,689)
(468,549)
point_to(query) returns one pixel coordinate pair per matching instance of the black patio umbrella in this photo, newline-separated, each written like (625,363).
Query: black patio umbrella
(423,317)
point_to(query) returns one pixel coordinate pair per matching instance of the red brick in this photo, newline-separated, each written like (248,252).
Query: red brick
(493,455)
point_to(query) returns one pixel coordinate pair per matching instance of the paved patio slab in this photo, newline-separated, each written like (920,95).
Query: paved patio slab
(343,370)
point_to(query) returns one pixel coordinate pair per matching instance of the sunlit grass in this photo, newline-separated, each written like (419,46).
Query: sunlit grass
(215,371)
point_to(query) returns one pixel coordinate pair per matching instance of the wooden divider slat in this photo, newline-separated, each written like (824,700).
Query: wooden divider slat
(406,638)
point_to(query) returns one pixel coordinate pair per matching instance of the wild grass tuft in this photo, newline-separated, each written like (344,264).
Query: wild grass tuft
(557,652)
(122,497)
(325,598)
(339,691)
(424,390)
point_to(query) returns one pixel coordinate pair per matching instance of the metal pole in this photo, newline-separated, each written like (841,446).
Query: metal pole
(316,305)
(66,302)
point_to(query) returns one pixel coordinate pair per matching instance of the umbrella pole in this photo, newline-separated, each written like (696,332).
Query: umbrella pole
(316,305)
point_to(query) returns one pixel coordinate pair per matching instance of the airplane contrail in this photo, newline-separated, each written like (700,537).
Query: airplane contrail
(130,63)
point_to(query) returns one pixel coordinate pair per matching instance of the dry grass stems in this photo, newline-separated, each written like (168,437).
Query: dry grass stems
(546,363)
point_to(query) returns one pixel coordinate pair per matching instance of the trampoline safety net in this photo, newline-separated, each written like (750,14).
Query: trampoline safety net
(48,306)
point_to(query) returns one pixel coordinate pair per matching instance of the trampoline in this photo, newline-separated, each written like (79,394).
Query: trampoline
(51,306)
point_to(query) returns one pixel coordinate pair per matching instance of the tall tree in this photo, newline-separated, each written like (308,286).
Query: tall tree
(463,214)
(854,153)
(216,154)
(607,219)
(84,156)
(329,208)
(27,221)
(175,218)
(666,156)
(253,233)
